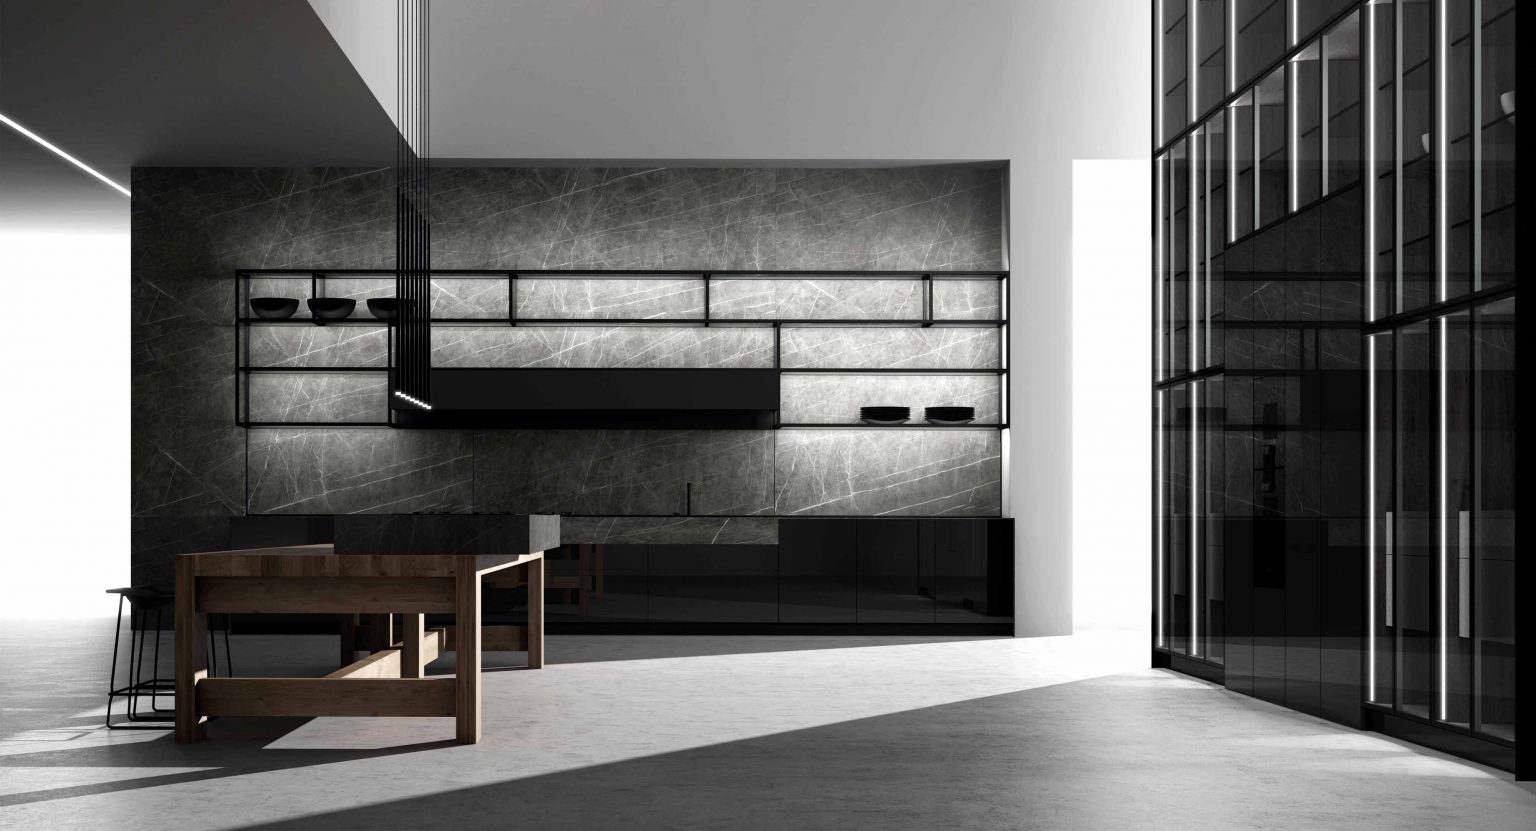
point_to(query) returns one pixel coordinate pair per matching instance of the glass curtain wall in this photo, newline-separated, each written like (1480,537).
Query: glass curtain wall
(1284,127)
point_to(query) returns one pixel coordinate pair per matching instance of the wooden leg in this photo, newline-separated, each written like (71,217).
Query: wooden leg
(191,652)
(466,649)
(412,629)
(584,578)
(348,639)
(536,613)
(597,582)
(381,632)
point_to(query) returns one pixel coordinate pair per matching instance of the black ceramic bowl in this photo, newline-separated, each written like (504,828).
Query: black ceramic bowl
(885,416)
(331,308)
(274,308)
(384,308)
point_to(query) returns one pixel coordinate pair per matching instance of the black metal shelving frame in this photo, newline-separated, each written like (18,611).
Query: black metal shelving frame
(317,279)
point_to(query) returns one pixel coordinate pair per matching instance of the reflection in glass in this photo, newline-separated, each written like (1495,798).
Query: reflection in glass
(1341,102)
(1493,533)
(1260,27)
(1415,613)
(1455,481)
(1496,173)
(1270,120)
(1241,146)
(1380,508)
(1306,96)
(1174,66)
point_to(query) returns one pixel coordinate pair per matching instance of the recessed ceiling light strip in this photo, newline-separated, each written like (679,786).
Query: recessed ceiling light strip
(10,122)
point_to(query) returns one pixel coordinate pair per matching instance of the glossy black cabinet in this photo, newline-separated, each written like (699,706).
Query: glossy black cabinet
(714,583)
(895,577)
(818,571)
(920,572)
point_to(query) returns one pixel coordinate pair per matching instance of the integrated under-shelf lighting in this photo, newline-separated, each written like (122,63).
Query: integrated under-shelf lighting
(422,404)
(10,122)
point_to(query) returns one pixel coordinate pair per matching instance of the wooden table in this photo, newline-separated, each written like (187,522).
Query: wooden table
(314,580)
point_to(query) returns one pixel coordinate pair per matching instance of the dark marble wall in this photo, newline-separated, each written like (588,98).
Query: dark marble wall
(193,227)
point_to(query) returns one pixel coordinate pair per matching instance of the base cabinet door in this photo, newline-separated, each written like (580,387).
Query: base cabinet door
(714,583)
(818,571)
(896,580)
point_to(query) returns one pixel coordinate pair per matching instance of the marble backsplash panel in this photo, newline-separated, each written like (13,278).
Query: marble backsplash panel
(624,471)
(360,470)
(908,218)
(637,299)
(879,472)
(792,299)
(318,397)
(600,346)
(875,348)
(836,399)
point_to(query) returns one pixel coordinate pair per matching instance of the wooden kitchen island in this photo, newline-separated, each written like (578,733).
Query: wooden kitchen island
(315,579)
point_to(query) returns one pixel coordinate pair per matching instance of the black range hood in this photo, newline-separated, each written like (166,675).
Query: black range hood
(597,398)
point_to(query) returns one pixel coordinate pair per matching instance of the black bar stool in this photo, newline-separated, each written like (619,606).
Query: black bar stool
(142,601)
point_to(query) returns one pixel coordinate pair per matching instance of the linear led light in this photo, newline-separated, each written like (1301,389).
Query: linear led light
(10,122)
(1232,173)
(1370,524)
(422,404)
(1193,259)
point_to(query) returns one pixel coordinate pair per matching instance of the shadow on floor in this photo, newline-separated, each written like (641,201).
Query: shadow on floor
(1117,752)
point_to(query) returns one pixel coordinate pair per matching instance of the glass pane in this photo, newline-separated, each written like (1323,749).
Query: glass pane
(1419,272)
(1380,490)
(1178,513)
(1175,66)
(1341,101)
(1455,516)
(1210,53)
(1382,149)
(1310,14)
(1261,37)
(1415,618)
(1456,102)
(1307,125)
(1493,531)
(1498,150)
(1179,247)
(1212,479)
(1241,146)
(1271,117)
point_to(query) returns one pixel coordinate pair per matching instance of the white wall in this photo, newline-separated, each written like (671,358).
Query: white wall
(1038,83)
(1111,442)
(64,437)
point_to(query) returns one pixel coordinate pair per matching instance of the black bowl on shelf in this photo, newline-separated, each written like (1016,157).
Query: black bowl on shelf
(949,415)
(331,308)
(274,308)
(385,308)
(885,416)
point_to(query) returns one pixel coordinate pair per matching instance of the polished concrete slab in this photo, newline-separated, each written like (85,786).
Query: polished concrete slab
(735,733)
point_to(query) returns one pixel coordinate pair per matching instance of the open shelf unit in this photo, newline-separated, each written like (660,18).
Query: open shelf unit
(324,282)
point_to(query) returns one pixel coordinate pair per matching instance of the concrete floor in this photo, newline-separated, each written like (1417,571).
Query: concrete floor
(727,733)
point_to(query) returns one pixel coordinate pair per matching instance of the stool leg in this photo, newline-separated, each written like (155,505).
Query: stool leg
(136,674)
(154,674)
(117,639)
(229,657)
